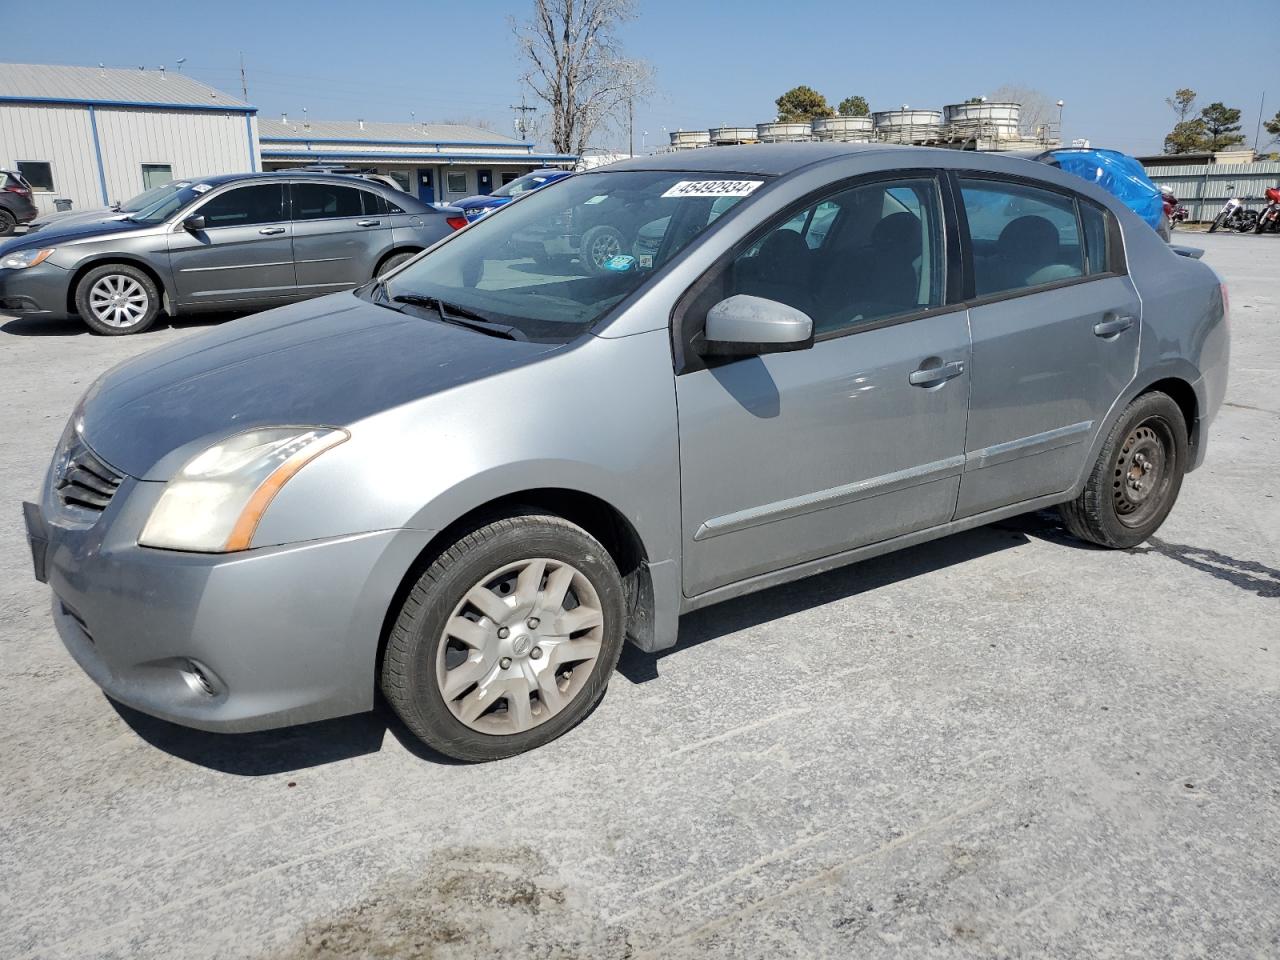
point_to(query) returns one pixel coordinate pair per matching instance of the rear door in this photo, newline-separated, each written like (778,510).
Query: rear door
(1055,322)
(243,254)
(340,233)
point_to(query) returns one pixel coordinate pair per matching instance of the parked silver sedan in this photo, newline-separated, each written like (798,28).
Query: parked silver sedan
(467,483)
(234,242)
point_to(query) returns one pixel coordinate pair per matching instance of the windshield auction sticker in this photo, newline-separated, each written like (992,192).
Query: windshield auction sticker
(713,188)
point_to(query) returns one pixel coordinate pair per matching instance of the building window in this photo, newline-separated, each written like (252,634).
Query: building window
(401,177)
(38,173)
(457,181)
(509,175)
(156,175)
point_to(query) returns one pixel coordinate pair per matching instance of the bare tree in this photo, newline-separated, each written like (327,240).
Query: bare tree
(1037,109)
(575,65)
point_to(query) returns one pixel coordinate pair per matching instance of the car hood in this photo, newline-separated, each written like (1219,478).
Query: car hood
(60,220)
(327,362)
(56,233)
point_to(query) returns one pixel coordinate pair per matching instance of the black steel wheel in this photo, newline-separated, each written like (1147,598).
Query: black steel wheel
(1136,478)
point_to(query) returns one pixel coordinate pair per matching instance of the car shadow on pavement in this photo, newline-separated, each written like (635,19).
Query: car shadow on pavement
(722,619)
(271,752)
(41,327)
(1248,575)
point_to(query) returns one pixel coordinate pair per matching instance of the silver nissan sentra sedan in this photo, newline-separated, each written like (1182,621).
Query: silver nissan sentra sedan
(466,483)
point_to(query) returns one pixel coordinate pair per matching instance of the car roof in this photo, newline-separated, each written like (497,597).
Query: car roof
(406,200)
(781,159)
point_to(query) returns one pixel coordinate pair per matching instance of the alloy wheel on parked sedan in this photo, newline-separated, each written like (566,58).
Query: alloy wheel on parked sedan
(117,299)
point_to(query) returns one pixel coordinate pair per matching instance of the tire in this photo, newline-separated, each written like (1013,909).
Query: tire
(1217,222)
(393,261)
(1248,220)
(8,223)
(472,715)
(598,245)
(1147,447)
(134,313)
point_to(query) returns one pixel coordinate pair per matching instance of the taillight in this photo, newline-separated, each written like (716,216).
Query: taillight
(456,222)
(19,190)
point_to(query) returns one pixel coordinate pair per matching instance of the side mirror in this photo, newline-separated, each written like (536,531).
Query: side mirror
(744,326)
(193,224)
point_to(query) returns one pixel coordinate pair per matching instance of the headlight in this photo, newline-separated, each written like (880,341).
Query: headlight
(214,503)
(21,259)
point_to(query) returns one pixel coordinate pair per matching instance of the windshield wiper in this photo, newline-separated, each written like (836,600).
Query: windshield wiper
(457,315)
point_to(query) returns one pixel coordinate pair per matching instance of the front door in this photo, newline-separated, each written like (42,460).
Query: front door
(484,182)
(340,234)
(243,253)
(1054,344)
(791,457)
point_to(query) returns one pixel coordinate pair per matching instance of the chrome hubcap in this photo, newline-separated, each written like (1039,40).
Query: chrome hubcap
(118,301)
(519,646)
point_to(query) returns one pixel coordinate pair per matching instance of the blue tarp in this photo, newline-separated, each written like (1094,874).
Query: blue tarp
(1118,174)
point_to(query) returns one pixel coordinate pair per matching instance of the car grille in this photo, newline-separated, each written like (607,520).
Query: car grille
(83,480)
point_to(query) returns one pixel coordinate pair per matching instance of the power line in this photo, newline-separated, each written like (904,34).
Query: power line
(521,123)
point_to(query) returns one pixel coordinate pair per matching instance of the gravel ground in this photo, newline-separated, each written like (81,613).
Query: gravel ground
(1003,744)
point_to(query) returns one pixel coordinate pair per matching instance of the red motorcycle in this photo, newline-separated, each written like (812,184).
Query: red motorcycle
(1269,218)
(1174,212)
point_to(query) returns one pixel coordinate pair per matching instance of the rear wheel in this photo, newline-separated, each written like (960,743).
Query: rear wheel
(507,640)
(117,299)
(1248,220)
(394,261)
(8,223)
(1136,479)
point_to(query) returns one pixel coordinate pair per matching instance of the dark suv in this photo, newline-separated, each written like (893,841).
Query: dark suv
(16,203)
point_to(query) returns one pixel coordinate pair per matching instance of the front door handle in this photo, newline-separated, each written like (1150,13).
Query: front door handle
(367,223)
(271,231)
(931,376)
(1113,327)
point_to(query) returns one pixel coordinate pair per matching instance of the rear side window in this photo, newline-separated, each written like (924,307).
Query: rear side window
(245,206)
(1021,237)
(1095,238)
(320,201)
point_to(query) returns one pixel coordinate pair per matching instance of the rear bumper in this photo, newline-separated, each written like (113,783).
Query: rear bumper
(229,643)
(39,291)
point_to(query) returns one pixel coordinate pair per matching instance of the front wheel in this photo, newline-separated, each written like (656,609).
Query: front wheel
(508,638)
(1217,222)
(1136,478)
(601,244)
(117,299)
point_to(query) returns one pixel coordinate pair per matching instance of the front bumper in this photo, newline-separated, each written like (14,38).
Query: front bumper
(232,642)
(39,291)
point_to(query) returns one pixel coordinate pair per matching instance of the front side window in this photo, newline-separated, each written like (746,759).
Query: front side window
(868,253)
(156,175)
(323,201)
(516,187)
(556,262)
(244,206)
(1021,236)
(38,173)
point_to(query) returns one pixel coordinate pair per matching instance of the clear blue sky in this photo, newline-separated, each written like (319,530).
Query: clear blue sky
(1113,63)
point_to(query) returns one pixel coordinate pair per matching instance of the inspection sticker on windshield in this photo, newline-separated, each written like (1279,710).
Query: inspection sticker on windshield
(713,188)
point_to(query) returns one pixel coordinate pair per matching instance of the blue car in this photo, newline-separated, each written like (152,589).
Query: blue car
(473,208)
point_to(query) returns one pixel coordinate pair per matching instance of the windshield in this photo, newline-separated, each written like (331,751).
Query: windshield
(530,181)
(147,197)
(178,194)
(560,259)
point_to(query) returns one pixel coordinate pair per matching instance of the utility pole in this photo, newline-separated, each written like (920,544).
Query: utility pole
(244,84)
(522,124)
(631,126)
(1258,130)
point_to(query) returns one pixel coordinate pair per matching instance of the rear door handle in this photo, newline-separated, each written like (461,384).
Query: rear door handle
(931,376)
(367,223)
(271,231)
(1110,328)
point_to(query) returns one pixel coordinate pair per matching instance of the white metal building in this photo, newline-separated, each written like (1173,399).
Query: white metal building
(436,162)
(95,136)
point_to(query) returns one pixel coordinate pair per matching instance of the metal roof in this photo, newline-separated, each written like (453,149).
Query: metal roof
(397,134)
(45,83)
